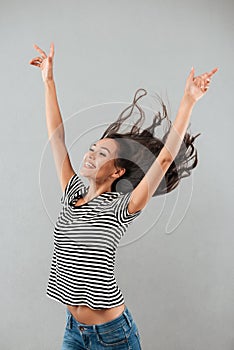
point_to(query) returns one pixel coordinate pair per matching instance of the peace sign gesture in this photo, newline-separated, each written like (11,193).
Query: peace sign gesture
(45,63)
(196,87)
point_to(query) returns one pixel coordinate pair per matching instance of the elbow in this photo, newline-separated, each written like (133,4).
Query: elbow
(165,165)
(165,157)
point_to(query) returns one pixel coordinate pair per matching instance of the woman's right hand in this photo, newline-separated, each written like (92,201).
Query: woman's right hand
(44,63)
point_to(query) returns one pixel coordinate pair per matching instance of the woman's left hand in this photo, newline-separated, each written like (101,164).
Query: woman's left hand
(196,87)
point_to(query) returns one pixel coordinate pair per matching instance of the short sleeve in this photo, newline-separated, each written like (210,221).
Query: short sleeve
(74,184)
(121,209)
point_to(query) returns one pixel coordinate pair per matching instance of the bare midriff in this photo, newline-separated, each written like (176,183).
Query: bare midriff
(85,314)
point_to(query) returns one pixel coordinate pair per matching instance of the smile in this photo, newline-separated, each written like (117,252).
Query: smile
(89,165)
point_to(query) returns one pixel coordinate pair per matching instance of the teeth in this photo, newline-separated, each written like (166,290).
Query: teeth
(89,165)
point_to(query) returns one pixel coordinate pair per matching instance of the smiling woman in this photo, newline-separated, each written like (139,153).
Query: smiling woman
(124,171)
(99,166)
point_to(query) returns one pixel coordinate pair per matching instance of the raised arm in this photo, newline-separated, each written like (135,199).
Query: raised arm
(54,121)
(195,88)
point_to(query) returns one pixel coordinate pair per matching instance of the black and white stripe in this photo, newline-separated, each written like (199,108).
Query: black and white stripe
(85,241)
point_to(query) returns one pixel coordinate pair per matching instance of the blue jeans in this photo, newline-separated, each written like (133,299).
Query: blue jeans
(121,333)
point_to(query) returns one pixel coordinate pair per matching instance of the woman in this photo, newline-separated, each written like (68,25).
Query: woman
(124,171)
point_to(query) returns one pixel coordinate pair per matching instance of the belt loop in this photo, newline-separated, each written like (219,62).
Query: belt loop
(70,321)
(127,317)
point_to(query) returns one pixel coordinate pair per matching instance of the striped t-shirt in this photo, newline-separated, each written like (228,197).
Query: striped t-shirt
(85,241)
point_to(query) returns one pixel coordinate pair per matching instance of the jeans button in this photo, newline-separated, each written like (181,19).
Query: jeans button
(81,328)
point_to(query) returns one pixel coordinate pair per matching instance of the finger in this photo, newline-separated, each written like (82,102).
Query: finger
(205,79)
(37,59)
(40,50)
(35,64)
(198,81)
(205,88)
(204,76)
(51,50)
(212,72)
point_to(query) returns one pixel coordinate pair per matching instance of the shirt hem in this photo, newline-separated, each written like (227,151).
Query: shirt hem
(86,304)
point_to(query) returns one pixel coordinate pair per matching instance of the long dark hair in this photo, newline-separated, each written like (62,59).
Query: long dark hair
(137,150)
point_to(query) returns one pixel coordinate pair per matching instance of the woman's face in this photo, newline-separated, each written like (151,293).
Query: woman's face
(101,155)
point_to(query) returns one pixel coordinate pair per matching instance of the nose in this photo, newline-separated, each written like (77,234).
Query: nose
(91,155)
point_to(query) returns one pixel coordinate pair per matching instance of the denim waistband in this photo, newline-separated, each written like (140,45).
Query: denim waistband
(85,328)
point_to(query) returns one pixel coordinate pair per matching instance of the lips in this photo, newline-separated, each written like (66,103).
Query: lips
(87,161)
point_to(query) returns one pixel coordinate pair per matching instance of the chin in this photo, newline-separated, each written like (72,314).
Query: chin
(84,173)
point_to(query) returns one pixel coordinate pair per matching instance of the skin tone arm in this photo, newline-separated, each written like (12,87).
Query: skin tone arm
(54,121)
(195,88)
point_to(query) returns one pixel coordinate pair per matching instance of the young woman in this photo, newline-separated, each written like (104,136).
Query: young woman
(124,171)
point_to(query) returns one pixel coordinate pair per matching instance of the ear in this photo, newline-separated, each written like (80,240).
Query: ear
(119,172)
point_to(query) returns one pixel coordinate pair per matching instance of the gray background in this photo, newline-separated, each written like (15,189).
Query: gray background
(175,266)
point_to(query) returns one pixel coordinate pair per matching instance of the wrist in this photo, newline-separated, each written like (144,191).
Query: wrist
(49,82)
(188,99)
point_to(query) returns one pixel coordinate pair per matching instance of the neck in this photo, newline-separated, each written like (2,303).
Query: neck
(96,191)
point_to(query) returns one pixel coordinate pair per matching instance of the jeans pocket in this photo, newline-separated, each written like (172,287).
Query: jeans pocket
(112,337)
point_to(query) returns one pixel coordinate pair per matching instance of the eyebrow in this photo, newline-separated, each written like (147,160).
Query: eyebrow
(94,144)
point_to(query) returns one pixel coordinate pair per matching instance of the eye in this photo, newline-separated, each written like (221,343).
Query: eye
(103,154)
